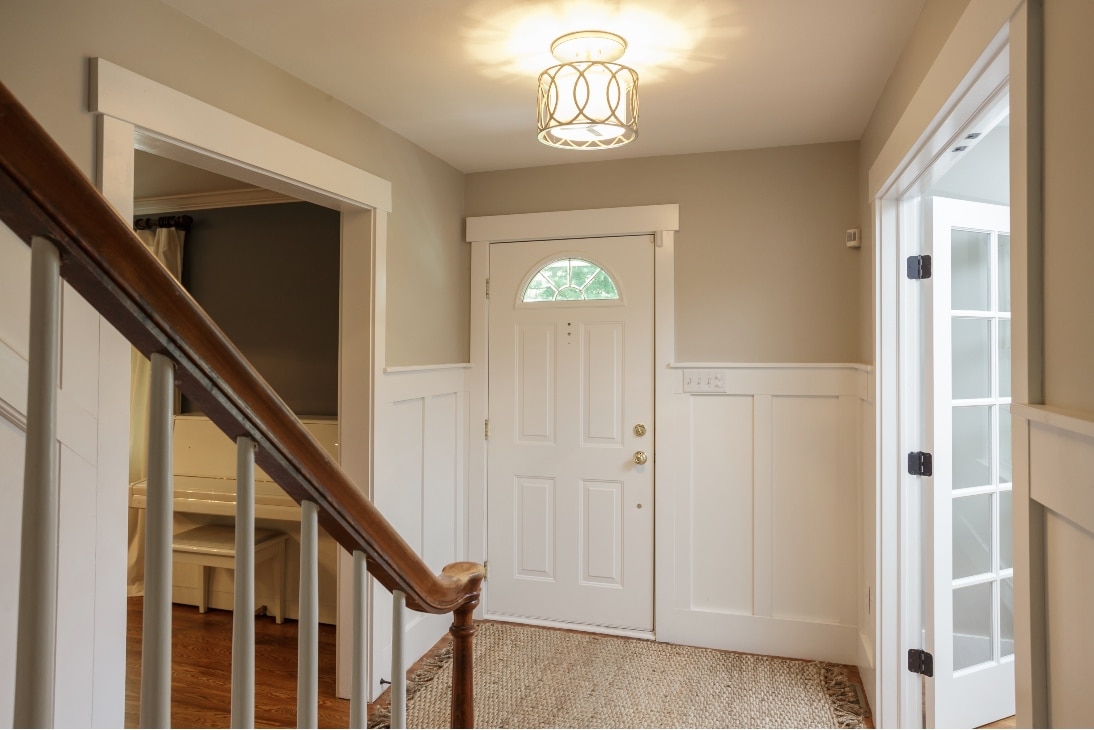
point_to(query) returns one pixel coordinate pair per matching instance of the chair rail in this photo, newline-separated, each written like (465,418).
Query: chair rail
(43,193)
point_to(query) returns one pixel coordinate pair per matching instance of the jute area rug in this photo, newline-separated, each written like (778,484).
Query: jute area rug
(529,677)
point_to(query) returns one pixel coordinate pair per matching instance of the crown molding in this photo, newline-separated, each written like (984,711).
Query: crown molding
(205,201)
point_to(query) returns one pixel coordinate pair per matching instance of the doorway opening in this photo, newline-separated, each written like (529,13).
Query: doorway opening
(136,113)
(265,268)
(943,343)
(957,404)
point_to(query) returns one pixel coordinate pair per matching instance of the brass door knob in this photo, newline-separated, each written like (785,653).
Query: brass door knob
(640,457)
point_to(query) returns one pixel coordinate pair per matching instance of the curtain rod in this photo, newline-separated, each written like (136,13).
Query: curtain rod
(182,222)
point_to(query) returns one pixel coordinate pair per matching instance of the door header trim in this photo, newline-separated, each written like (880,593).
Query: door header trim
(574,223)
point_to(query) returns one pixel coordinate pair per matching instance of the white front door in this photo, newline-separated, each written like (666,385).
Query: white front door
(570,511)
(969,567)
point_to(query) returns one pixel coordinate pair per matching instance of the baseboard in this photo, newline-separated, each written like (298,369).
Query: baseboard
(791,638)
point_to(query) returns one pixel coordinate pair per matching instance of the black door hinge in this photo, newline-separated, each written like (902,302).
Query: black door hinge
(920,464)
(920,662)
(919,267)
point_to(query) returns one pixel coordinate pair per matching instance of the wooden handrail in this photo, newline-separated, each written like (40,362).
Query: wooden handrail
(43,193)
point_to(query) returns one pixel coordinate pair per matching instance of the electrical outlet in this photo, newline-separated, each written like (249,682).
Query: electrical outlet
(705,381)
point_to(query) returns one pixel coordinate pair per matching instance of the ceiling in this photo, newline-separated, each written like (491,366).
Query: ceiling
(159,177)
(458,77)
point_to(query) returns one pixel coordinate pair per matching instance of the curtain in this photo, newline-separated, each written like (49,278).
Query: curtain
(166,245)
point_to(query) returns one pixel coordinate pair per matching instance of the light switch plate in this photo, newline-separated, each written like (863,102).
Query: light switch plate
(705,381)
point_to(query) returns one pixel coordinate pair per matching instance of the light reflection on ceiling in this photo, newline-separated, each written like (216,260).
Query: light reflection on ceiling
(513,40)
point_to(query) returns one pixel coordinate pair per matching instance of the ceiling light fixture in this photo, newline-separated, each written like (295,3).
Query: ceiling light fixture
(587,102)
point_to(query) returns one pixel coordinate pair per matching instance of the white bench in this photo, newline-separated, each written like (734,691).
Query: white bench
(214,546)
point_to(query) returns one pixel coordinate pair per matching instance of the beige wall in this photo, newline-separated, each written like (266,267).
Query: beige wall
(1069,348)
(933,27)
(762,272)
(44,47)
(1069,185)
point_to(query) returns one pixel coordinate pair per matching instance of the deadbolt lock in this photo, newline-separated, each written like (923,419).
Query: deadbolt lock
(639,429)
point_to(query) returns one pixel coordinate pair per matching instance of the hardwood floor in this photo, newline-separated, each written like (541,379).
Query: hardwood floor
(201,671)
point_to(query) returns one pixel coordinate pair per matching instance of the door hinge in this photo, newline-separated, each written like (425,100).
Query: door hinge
(486,429)
(920,464)
(920,662)
(488,288)
(486,570)
(919,267)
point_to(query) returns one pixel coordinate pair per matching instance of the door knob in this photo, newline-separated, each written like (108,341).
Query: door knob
(639,429)
(640,457)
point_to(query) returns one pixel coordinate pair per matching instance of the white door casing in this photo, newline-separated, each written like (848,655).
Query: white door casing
(137,111)
(971,72)
(969,565)
(570,512)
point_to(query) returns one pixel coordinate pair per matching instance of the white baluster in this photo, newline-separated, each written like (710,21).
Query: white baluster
(34,668)
(156,651)
(398,661)
(358,703)
(307,677)
(243,616)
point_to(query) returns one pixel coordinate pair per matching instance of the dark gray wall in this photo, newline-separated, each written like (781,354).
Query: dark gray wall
(268,276)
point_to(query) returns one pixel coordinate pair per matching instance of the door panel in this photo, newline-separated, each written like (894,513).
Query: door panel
(969,581)
(535,529)
(602,384)
(536,384)
(602,536)
(569,511)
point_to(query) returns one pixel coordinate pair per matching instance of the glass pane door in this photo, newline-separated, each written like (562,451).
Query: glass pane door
(970,616)
(979,409)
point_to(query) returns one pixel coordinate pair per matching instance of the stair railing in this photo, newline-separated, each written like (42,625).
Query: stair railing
(75,235)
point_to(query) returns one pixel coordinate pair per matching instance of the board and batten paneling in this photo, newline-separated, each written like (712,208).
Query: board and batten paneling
(1061,479)
(92,399)
(419,485)
(763,524)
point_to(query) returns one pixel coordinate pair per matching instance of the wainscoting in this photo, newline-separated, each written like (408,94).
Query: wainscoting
(92,408)
(419,485)
(1061,480)
(758,522)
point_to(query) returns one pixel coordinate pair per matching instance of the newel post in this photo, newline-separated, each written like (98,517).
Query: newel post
(463,671)
(462,631)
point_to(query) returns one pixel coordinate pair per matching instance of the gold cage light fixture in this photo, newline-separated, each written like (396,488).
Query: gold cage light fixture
(587,101)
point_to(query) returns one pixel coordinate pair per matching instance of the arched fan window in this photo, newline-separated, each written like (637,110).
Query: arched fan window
(570,280)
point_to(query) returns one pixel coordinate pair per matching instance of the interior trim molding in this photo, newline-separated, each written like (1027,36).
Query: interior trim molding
(207,201)
(227,144)
(420,368)
(574,224)
(1065,420)
(13,415)
(775,365)
(13,389)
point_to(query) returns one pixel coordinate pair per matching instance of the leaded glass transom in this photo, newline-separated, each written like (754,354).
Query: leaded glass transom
(570,280)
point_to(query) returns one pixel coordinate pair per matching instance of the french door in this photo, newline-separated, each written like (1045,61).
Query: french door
(968,565)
